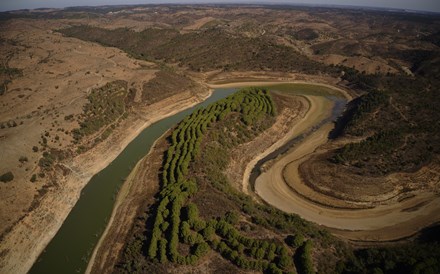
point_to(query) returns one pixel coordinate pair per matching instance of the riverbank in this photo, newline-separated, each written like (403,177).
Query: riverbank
(343,92)
(316,110)
(21,247)
(281,186)
(136,193)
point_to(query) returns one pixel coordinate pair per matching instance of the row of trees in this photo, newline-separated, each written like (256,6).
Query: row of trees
(177,219)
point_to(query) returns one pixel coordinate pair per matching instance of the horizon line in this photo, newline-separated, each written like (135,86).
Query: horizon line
(242,3)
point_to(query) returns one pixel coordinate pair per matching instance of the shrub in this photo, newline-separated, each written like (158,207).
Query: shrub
(231,217)
(7,177)
(295,240)
(23,159)
(34,178)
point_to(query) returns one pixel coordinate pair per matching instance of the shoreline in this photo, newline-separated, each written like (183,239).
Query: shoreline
(122,194)
(245,182)
(125,187)
(380,224)
(316,103)
(56,205)
(271,83)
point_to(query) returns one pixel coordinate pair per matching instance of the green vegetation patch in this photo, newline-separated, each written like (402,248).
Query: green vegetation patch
(6,76)
(363,106)
(412,258)
(106,106)
(400,122)
(165,84)
(306,34)
(382,143)
(206,50)
(177,219)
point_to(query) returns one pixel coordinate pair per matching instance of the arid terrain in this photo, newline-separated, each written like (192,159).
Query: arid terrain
(78,84)
(47,102)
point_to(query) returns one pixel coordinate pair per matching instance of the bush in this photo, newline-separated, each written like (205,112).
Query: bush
(7,177)
(23,159)
(231,217)
(295,240)
(34,178)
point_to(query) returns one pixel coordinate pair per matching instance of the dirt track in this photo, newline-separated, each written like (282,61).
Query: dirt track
(281,184)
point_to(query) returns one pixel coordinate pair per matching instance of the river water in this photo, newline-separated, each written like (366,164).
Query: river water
(72,246)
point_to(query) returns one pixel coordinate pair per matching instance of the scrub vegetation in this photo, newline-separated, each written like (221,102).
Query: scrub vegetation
(7,74)
(106,106)
(197,51)
(399,120)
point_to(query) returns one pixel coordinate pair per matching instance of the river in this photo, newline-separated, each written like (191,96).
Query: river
(71,248)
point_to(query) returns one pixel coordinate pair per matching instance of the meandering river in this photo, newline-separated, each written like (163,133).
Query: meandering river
(71,248)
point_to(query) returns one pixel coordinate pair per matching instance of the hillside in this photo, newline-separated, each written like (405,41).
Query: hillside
(78,84)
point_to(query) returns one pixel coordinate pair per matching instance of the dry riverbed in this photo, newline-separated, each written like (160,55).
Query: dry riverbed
(281,186)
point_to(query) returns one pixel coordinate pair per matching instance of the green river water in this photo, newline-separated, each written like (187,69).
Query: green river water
(72,246)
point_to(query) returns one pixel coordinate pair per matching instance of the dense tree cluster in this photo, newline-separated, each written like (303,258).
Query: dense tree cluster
(177,219)
(196,50)
(413,258)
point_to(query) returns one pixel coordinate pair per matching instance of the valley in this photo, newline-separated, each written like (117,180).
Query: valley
(219,138)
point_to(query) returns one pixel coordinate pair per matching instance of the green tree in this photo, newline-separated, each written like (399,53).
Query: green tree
(7,177)
(306,263)
(34,178)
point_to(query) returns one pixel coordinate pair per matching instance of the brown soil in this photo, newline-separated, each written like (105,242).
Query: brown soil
(59,73)
(30,213)
(343,183)
(368,65)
